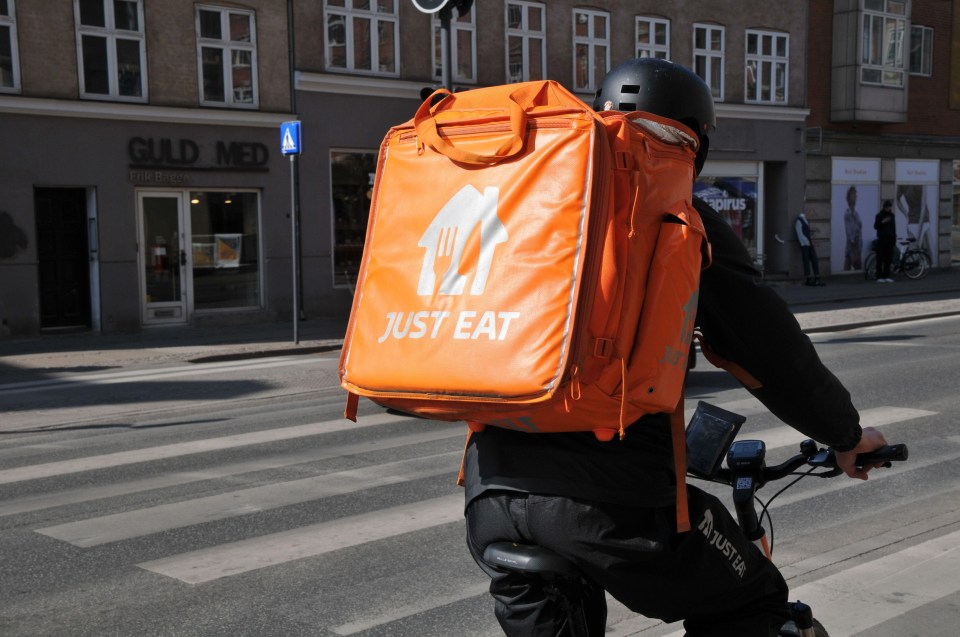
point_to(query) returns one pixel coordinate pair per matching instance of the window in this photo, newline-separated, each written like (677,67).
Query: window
(362,36)
(708,56)
(227,57)
(921,50)
(767,66)
(526,41)
(591,48)
(463,48)
(9,63)
(884,27)
(225,249)
(653,38)
(111,49)
(351,186)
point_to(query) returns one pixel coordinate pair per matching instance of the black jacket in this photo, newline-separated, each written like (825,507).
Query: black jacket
(744,321)
(885,223)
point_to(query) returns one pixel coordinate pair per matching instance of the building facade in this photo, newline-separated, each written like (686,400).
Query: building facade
(140,172)
(361,67)
(142,179)
(884,124)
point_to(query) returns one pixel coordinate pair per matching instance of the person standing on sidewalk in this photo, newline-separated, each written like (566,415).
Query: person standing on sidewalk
(811,265)
(885,224)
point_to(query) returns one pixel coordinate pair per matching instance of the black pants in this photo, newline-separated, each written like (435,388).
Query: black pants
(720,584)
(885,247)
(810,263)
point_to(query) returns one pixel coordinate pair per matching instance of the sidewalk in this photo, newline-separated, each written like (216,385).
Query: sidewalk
(846,301)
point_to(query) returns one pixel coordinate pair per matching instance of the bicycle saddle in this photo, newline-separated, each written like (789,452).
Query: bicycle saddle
(528,558)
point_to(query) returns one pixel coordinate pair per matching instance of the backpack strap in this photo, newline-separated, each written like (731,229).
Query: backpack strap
(461,478)
(679,436)
(350,409)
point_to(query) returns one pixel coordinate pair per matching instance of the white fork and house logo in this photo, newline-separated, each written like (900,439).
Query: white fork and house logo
(447,235)
(467,212)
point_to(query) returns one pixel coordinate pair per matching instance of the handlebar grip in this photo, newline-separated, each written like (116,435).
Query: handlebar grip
(886,454)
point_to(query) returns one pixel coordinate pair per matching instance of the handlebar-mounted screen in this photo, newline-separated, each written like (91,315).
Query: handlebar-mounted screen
(709,434)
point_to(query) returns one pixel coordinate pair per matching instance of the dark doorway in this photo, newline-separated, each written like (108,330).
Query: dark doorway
(64,258)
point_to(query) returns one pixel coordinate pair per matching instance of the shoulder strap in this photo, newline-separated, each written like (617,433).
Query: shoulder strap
(678,434)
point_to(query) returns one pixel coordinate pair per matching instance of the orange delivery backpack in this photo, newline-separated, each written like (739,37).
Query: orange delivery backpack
(530,264)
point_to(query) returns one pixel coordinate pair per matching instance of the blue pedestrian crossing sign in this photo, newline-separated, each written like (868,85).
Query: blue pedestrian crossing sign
(290,138)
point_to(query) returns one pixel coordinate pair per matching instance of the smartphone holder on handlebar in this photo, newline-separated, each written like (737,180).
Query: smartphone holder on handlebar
(710,432)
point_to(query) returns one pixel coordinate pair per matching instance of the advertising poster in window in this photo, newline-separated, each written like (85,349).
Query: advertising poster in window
(854,201)
(735,198)
(915,205)
(228,250)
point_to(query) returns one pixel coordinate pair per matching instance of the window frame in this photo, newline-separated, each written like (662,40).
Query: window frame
(228,47)
(112,35)
(460,25)
(926,35)
(874,60)
(9,20)
(592,43)
(708,55)
(526,35)
(651,49)
(774,62)
(377,17)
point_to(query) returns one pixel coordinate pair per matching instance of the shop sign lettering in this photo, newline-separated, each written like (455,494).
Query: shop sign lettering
(152,153)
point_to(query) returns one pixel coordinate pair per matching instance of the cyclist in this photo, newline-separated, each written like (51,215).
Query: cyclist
(609,506)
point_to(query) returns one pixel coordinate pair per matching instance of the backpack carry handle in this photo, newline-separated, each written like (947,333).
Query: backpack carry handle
(520,99)
(426,127)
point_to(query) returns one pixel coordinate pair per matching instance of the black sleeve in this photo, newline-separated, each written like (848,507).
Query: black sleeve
(745,321)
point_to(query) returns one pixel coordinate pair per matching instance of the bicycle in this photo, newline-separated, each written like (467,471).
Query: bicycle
(710,438)
(914,262)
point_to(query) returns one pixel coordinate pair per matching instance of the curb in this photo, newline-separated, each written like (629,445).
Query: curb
(843,327)
(284,351)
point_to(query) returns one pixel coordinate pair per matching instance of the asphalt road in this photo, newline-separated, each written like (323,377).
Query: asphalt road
(231,498)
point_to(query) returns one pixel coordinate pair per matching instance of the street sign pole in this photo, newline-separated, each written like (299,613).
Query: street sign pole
(294,242)
(290,145)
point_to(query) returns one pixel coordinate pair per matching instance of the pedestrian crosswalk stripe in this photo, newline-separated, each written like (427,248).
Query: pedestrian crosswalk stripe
(205,565)
(87,494)
(145,375)
(784,436)
(868,594)
(247,555)
(164,517)
(120,458)
(426,604)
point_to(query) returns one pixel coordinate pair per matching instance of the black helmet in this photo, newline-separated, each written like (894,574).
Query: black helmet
(662,88)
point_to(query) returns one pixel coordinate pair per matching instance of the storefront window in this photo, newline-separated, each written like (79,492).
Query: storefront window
(735,198)
(225,248)
(955,242)
(352,186)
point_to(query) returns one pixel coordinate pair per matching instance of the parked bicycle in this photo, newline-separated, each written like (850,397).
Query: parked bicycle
(914,262)
(709,440)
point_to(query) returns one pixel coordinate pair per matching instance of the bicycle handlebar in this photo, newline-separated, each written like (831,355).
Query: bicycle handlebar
(884,455)
(746,472)
(816,458)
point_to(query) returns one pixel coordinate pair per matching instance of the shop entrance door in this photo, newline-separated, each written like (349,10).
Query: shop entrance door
(63,258)
(163,257)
